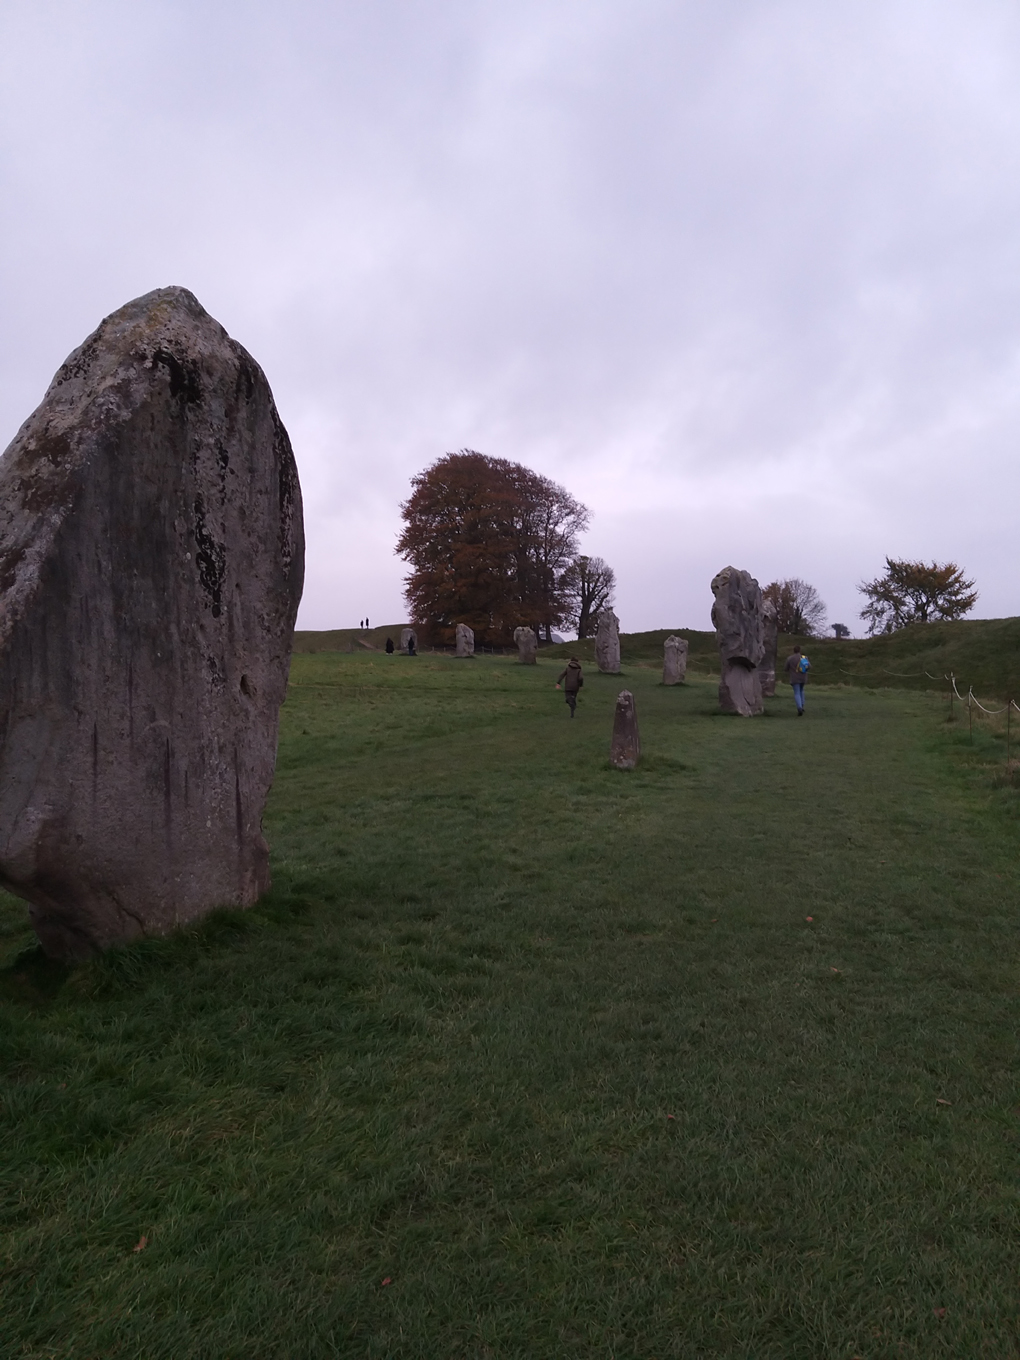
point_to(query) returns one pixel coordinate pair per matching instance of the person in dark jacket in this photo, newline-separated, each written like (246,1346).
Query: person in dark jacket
(571,679)
(389,646)
(796,669)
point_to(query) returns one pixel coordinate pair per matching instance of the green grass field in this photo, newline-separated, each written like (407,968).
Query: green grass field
(526,1057)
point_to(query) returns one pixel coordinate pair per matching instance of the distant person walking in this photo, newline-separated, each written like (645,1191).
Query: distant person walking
(571,679)
(796,669)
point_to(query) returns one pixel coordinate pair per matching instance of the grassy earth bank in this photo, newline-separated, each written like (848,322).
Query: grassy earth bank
(984,653)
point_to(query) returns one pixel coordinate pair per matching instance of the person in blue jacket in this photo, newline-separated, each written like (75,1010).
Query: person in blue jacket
(796,668)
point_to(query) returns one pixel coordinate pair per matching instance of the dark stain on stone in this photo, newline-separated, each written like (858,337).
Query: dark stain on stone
(245,374)
(211,558)
(9,562)
(184,380)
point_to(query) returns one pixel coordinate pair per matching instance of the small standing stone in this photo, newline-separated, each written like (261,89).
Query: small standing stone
(739,629)
(527,646)
(465,640)
(625,750)
(607,643)
(674,661)
(407,637)
(770,638)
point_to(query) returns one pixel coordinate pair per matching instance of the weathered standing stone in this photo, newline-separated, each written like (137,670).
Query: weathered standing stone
(151,562)
(674,661)
(625,751)
(465,640)
(527,646)
(738,622)
(408,635)
(770,641)
(607,643)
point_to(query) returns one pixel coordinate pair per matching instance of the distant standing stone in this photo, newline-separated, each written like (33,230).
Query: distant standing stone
(770,641)
(151,562)
(739,629)
(407,637)
(465,640)
(527,646)
(607,643)
(674,661)
(625,750)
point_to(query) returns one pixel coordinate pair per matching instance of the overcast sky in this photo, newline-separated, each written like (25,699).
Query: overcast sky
(743,276)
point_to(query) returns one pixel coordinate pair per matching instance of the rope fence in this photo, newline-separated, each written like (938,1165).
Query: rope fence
(972,702)
(970,699)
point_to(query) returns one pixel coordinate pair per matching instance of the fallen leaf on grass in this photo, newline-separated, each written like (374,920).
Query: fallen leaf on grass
(836,970)
(671,1116)
(809,918)
(939,1313)
(388,1279)
(940,1101)
(141,1244)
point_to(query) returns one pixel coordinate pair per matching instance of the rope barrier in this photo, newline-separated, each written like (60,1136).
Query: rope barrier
(971,698)
(900,675)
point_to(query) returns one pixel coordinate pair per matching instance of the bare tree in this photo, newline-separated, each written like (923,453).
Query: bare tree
(587,586)
(799,607)
(916,592)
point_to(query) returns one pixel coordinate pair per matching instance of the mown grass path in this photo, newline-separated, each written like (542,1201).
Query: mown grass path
(552,1049)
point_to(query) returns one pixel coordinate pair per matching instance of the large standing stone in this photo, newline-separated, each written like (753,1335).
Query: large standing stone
(625,751)
(465,640)
(738,622)
(770,641)
(527,646)
(407,636)
(674,661)
(607,643)
(151,562)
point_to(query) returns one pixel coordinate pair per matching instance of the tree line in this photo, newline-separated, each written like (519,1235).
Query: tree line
(493,544)
(905,593)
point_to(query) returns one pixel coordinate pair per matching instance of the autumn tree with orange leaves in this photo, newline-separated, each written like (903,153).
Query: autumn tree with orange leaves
(916,592)
(488,542)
